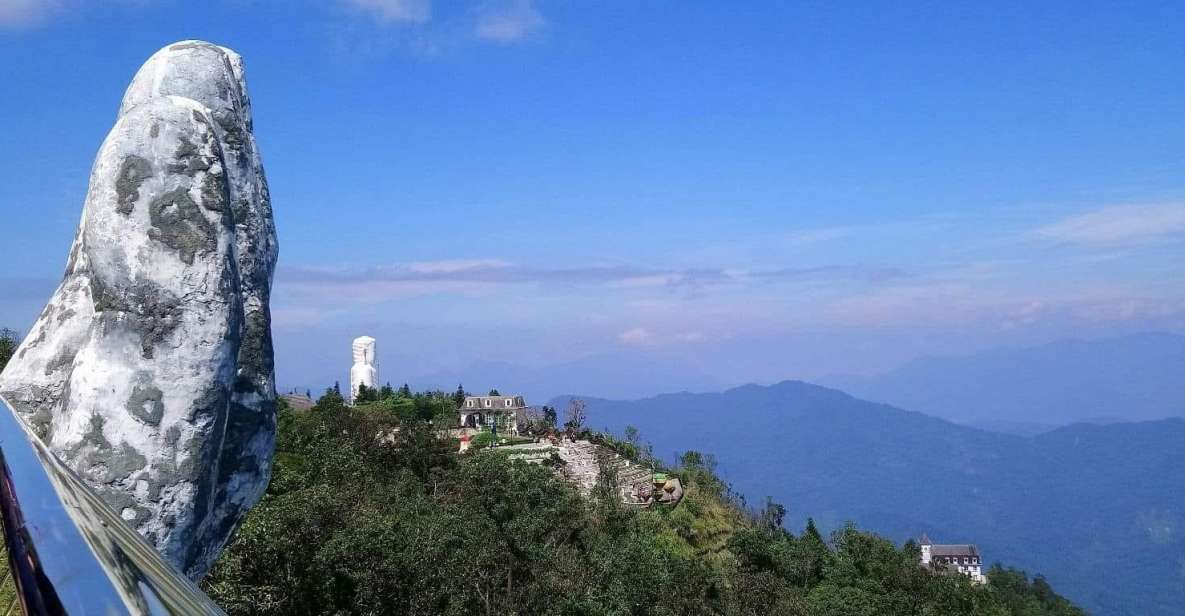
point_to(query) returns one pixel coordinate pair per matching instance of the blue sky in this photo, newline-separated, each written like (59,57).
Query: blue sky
(744,191)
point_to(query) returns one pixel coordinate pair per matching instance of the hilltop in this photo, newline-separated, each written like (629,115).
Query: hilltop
(371,511)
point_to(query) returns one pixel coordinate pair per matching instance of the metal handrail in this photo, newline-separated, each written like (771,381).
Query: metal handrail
(69,553)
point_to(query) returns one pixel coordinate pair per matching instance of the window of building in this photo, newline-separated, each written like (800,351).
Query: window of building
(489,402)
(509,402)
(469,403)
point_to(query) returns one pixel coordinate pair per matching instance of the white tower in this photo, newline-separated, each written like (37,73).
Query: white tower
(363,371)
(927,547)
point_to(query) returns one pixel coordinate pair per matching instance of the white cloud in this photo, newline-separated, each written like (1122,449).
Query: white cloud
(20,13)
(653,280)
(510,22)
(1120,224)
(391,11)
(454,266)
(638,336)
(470,273)
(643,337)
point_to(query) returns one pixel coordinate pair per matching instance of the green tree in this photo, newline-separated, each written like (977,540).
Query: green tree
(9,341)
(332,398)
(576,415)
(459,396)
(365,394)
(771,515)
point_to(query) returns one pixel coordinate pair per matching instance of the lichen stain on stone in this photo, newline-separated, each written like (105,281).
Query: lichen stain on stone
(146,404)
(62,360)
(65,315)
(93,449)
(255,353)
(133,171)
(179,224)
(200,118)
(232,133)
(213,192)
(94,436)
(189,159)
(150,310)
(124,461)
(172,436)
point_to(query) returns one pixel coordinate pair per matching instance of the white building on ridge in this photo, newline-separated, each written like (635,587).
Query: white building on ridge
(488,411)
(363,372)
(961,558)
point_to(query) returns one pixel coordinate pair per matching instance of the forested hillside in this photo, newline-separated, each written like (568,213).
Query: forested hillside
(1100,510)
(370,512)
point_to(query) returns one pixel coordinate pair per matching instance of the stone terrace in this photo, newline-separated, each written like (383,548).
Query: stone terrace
(633,480)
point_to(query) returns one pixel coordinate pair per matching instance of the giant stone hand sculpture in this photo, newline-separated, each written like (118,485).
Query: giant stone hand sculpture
(150,371)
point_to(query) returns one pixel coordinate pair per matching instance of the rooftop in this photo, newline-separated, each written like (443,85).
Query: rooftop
(493,402)
(954,550)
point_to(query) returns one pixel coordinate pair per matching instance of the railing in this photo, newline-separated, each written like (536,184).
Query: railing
(68,552)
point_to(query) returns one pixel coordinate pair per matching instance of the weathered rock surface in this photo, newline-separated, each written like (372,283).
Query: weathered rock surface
(150,371)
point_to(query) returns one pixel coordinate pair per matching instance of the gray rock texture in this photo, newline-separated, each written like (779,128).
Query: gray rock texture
(150,371)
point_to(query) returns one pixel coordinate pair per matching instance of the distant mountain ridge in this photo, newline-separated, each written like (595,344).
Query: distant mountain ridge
(619,375)
(1128,378)
(1082,504)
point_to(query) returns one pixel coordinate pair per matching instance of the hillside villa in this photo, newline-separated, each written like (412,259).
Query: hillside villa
(955,558)
(492,411)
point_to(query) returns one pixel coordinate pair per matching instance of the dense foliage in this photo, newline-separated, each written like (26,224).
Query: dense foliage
(9,341)
(370,512)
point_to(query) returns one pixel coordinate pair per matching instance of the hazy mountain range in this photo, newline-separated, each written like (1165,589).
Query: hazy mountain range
(1099,509)
(1019,390)
(616,375)
(1127,378)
